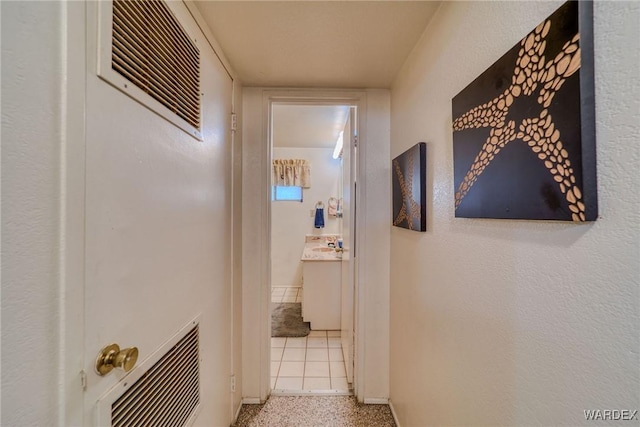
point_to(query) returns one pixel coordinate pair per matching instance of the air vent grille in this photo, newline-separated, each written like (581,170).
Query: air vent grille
(152,51)
(168,393)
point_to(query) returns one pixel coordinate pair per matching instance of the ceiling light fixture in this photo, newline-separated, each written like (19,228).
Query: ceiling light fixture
(337,152)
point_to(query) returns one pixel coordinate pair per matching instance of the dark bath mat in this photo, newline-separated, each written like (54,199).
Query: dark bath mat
(286,320)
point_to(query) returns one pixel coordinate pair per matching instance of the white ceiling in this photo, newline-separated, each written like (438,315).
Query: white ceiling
(308,126)
(354,44)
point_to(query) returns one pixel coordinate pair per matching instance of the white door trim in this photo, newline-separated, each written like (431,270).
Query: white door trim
(72,217)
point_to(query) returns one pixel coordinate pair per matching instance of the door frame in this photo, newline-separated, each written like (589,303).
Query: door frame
(311,97)
(71,257)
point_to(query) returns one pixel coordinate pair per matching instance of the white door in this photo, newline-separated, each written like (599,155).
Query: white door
(348,237)
(158,228)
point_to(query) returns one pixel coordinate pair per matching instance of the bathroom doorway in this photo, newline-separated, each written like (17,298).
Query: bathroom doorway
(313,151)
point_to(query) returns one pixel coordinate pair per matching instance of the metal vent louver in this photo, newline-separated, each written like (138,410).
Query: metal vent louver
(168,393)
(152,50)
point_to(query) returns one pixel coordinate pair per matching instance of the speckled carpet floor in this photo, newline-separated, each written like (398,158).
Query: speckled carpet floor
(314,411)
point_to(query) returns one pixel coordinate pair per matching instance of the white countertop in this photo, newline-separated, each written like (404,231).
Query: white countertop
(316,248)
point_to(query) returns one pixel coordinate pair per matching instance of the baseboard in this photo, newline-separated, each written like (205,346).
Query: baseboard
(393,412)
(376,401)
(251,401)
(235,417)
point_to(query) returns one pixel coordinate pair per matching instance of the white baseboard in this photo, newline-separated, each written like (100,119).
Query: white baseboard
(235,417)
(393,412)
(376,401)
(251,401)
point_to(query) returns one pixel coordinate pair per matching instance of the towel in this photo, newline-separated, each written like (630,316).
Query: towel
(332,209)
(319,221)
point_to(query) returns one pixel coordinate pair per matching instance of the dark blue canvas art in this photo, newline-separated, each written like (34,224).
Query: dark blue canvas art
(524,130)
(409,188)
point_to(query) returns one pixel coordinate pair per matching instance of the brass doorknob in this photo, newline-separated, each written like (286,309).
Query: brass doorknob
(112,357)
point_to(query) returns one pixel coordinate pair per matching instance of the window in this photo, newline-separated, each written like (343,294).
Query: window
(281,193)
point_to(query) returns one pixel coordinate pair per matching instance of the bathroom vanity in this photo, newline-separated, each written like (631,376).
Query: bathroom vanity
(321,277)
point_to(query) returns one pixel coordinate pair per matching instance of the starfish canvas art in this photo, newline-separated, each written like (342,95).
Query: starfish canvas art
(524,130)
(409,188)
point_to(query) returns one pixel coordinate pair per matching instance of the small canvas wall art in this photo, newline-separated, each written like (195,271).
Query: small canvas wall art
(409,188)
(524,130)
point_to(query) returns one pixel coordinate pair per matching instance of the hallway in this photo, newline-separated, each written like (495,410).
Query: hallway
(137,149)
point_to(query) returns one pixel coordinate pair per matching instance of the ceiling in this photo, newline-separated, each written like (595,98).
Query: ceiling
(308,126)
(339,44)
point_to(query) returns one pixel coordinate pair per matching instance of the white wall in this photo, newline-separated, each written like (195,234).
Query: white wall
(170,246)
(373,250)
(255,245)
(291,221)
(515,322)
(374,218)
(31,139)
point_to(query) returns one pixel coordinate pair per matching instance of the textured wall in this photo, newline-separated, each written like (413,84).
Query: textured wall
(31,132)
(255,245)
(290,221)
(374,206)
(515,322)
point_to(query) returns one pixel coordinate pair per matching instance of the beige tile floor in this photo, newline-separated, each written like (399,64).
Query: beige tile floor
(283,294)
(313,363)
